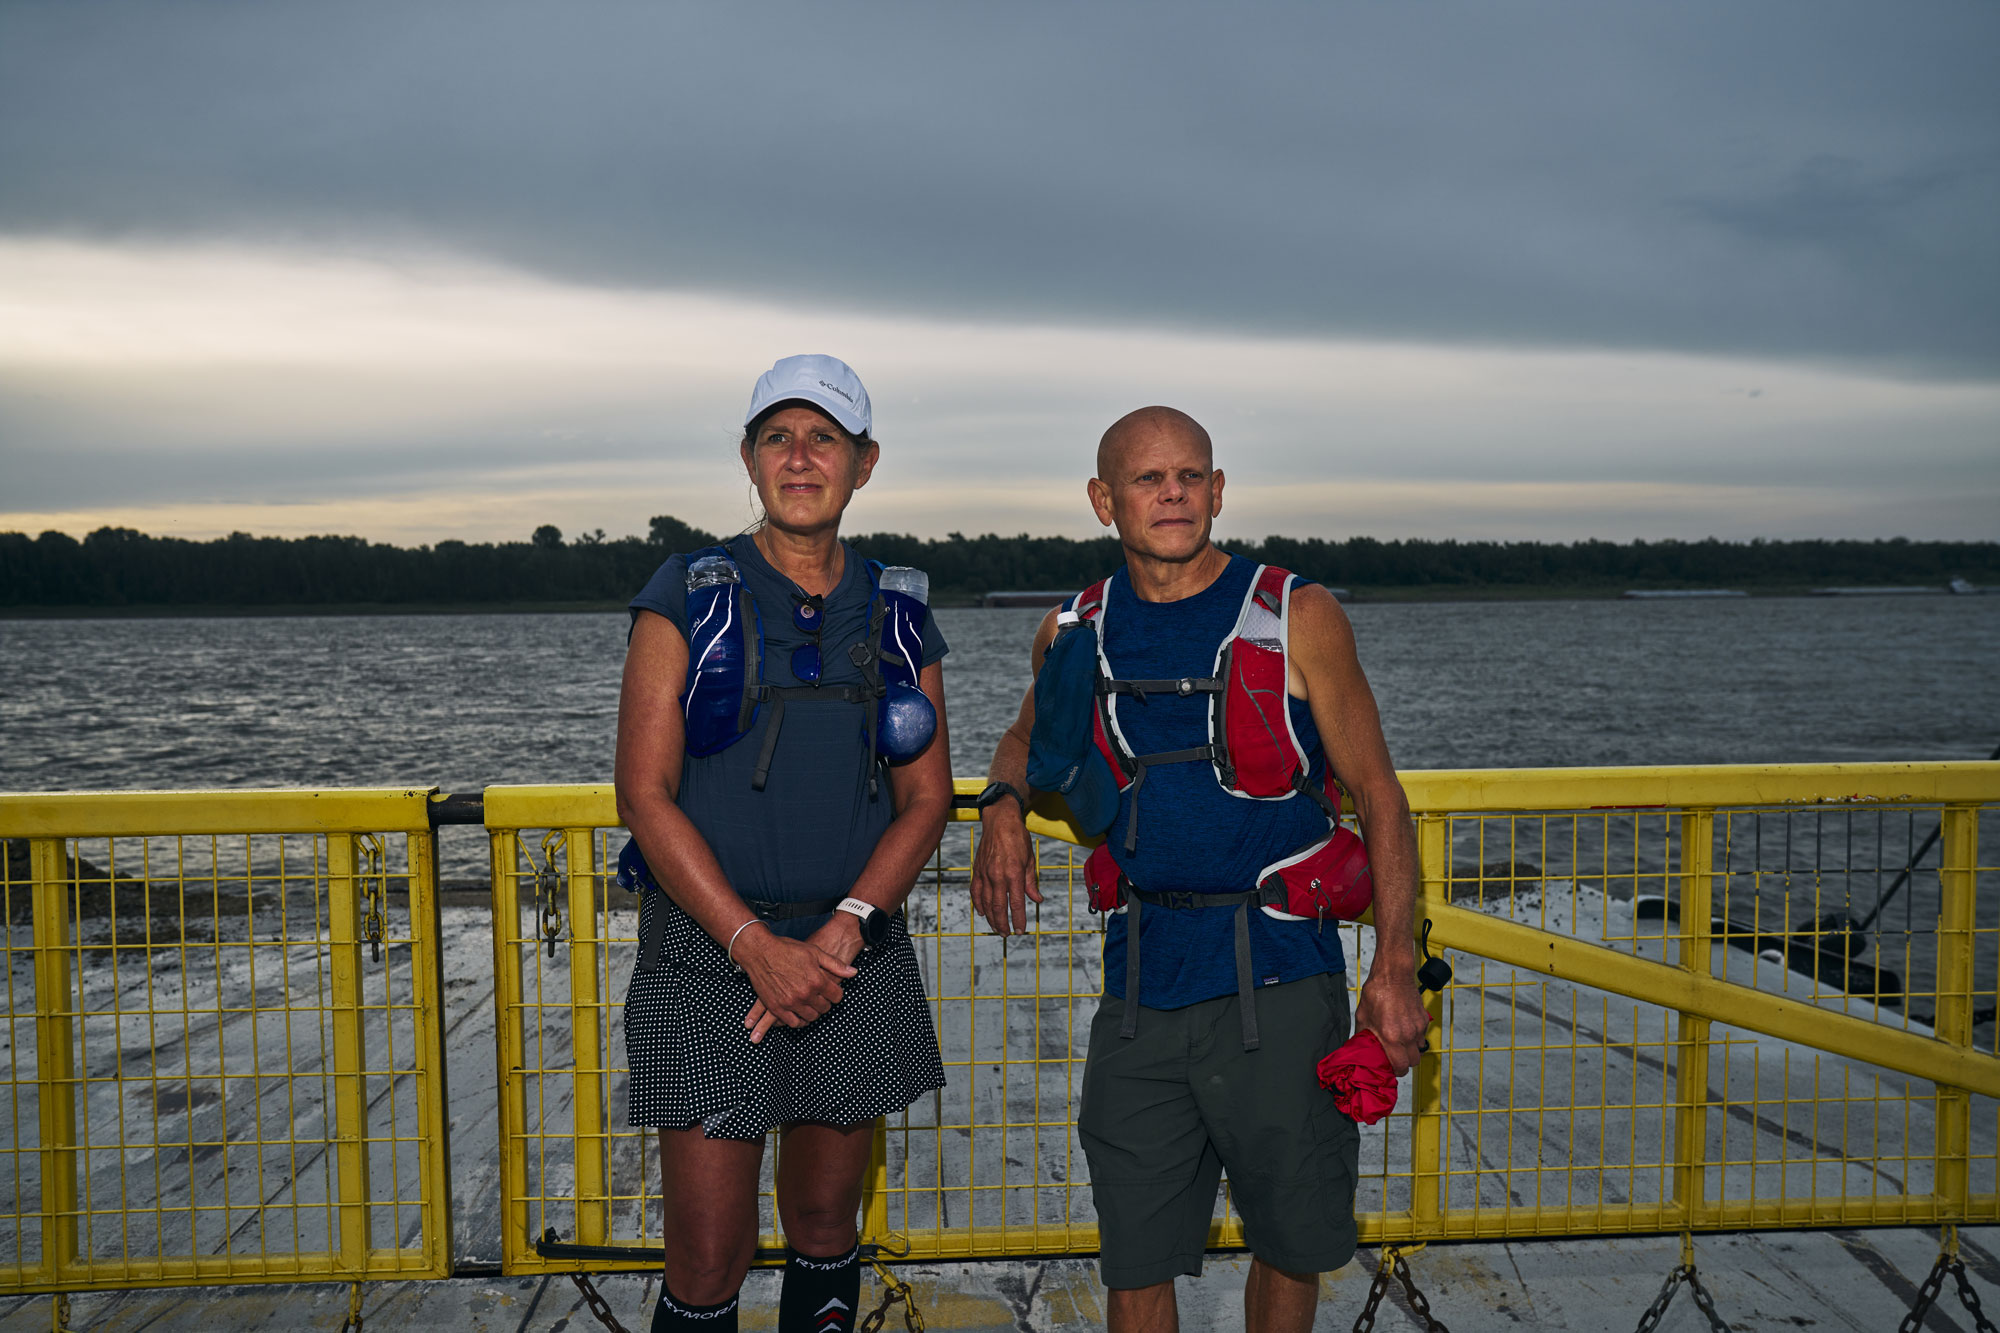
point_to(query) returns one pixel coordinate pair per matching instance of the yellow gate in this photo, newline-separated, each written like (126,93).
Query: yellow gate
(223,1059)
(1658,1021)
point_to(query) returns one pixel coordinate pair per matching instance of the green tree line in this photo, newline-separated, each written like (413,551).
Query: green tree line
(118,567)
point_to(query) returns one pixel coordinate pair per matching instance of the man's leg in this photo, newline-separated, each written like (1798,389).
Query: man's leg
(1275,1301)
(1290,1153)
(1145,1310)
(1153,1172)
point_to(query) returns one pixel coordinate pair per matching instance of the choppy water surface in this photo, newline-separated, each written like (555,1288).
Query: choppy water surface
(462,701)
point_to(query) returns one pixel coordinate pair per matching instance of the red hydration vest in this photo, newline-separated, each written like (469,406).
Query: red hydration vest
(1257,756)
(1251,745)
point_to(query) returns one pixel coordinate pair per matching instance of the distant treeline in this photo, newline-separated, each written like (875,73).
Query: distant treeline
(119,567)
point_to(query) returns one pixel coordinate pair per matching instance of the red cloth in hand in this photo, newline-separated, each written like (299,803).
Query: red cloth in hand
(1359,1077)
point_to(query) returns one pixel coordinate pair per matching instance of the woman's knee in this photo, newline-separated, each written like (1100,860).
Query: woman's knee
(704,1271)
(820,1226)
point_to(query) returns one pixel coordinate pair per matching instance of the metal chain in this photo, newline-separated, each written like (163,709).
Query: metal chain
(548,903)
(1365,1321)
(893,1291)
(1394,1265)
(1703,1301)
(374,892)
(1934,1285)
(1970,1298)
(595,1300)
(59,1313)
(1926,1295)
(352,1324)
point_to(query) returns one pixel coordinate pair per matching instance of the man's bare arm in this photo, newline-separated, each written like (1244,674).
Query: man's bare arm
(1003,868)
(1328,673)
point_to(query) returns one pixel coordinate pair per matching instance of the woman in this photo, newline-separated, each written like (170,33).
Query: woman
(756,1001)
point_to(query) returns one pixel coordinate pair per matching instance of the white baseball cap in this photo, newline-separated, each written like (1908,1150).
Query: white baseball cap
(823,381)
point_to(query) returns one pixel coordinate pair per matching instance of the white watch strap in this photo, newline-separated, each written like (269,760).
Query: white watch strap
(856,907)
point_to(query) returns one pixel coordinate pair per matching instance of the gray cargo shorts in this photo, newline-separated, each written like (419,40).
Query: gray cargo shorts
(1166,1113)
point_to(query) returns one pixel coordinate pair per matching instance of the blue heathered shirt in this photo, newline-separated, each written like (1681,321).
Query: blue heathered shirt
(810,832)
(1193,835)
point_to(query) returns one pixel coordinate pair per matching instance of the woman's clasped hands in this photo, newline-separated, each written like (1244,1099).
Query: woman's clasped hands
(797,980)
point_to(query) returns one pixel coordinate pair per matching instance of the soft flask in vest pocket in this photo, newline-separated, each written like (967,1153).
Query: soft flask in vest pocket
(720,700)
(905,720)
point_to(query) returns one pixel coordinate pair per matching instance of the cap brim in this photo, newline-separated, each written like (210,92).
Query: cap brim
(831,404)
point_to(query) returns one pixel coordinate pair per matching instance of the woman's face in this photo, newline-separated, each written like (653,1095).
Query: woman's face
(805,469)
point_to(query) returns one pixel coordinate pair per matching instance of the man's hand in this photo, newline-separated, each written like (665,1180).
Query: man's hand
(795,982)
(1004,877)
(1392,1008)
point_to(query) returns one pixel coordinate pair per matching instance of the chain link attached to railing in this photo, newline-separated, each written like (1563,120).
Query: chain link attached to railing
(374,875)
(352,1324)
(1394,1266)
(1947,1262)
(548,891)
(893,1291)
(595,1300)
(1683,1273)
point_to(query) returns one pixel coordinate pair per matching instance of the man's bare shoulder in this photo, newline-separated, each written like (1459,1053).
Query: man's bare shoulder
(1045,634)
(1319,623)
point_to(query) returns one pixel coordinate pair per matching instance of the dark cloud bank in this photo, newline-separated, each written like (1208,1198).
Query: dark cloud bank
(1817,180)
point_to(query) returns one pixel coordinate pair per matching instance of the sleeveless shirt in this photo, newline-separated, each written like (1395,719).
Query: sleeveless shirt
(810,832)
(1194,835)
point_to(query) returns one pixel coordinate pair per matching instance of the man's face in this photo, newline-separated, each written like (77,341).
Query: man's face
(1162,493)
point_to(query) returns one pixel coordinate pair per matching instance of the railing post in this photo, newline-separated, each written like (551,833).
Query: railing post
(1696,955)
(587,1128)
(875,1189)
(55,1056)
(510,1048)
(1427,1109)
(1958,887)
(350,1053)
(434,1091)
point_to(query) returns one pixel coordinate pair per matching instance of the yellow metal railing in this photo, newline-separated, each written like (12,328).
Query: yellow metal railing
(1647,1032)
(223,1060)
(1659,1022)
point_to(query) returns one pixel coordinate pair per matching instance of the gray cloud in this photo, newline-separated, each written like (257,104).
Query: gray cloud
(1815,181)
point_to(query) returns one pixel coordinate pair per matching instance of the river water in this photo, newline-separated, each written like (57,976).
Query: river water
(466,700)
(461,701)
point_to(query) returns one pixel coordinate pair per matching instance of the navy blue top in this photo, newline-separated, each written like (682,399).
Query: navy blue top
(810,832)
(1194,835)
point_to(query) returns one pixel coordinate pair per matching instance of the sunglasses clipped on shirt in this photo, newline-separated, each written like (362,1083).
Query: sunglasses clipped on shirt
(809,614)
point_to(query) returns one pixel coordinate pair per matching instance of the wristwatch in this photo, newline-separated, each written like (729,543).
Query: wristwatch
(995,790)
(874,921)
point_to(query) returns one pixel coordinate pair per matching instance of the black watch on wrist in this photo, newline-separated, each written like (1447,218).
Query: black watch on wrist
(995,790)
(874,921)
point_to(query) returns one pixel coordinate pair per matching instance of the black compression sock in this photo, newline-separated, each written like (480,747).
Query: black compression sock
(675,1316)
(819,1295)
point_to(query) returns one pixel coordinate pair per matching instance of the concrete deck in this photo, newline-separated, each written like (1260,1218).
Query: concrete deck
(1864,1281)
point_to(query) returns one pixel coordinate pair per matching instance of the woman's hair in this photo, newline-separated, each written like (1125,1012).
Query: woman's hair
(756,428)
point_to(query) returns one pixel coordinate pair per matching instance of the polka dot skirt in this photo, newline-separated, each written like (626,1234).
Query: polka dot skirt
(692,1060)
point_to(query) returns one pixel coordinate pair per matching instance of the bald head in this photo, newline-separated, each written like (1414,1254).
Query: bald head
(1145,425)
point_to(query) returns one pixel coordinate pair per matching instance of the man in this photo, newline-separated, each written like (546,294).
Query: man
(1184,1079)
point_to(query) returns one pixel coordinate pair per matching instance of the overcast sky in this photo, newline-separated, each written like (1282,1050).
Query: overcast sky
(1484,270)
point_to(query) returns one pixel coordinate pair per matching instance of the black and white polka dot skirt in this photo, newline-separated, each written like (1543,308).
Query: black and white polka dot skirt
(693,1063)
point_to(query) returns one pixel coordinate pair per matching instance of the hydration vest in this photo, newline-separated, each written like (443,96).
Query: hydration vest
(725,674)
(1251,745)
(1256,755)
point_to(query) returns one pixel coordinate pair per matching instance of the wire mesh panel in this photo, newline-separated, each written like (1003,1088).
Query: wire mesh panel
(234,1056)
(1553,1101)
